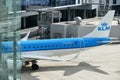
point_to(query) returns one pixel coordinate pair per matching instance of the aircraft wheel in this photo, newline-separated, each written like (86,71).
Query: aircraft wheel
(35,67)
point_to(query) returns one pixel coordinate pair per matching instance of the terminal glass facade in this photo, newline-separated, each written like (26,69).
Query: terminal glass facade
(61,2)
(10,21)
(53,3)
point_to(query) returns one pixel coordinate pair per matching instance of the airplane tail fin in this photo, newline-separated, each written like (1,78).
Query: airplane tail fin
(103,29)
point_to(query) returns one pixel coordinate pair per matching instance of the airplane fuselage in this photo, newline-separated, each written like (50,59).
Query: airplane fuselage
(54,47)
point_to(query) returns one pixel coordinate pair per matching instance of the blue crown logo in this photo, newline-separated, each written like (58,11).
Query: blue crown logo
(104,26)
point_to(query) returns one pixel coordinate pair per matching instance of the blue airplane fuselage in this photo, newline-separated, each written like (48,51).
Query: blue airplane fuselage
(54,44)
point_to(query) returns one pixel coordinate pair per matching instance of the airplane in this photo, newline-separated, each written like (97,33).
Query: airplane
(32,50)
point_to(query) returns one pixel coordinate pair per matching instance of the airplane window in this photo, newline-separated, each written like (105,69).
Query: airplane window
(76,42)
(61,45)
(49,46)
(52,45)
(72,44)
(68,44)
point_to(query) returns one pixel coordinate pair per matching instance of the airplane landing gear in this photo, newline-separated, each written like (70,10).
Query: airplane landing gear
(35,67)
(27,63)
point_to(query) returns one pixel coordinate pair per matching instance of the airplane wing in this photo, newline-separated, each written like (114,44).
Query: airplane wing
(103,42)
(110,42)
(47,58)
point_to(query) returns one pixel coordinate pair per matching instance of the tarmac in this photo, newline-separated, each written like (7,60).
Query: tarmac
(97,63)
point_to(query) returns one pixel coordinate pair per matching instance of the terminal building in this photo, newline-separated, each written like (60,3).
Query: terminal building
(37,12)
(85,9)
(72,29)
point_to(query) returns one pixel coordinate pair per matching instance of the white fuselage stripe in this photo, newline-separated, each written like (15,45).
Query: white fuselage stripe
(60,52)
